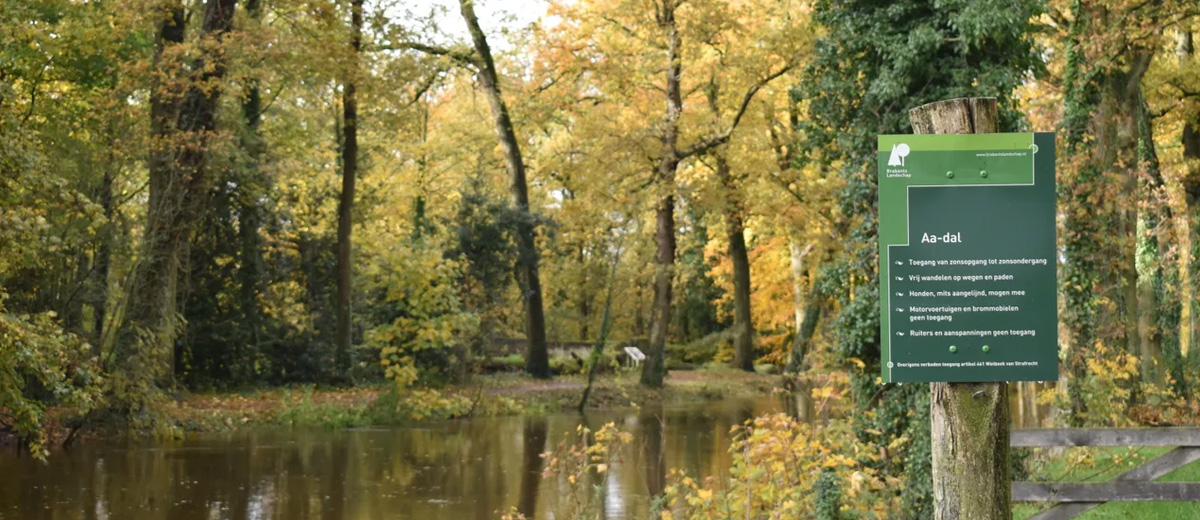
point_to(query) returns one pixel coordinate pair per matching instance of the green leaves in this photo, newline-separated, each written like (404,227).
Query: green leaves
(877,60)
(424,329)
(40,366)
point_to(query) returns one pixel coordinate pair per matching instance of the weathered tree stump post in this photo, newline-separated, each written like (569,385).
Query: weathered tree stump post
(970,421)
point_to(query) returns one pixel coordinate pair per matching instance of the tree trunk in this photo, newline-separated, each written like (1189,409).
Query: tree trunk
(970,434)
(1080,272)
(639,315)
(1115,126)
(585,307)
(1190,333)
(1100,242)
(147,333)
(671,155)
(806,328)
(104,252)
(1151,217)
(660,310)
(807,310)
(182,124)
(735,218)
(796,255)
(1126,104)
(743,328)
(252,188)
(664,236)
(346,201)
(969,421)
(537,360)
(802,342)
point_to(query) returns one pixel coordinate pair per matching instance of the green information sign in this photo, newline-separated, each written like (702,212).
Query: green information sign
(967,257)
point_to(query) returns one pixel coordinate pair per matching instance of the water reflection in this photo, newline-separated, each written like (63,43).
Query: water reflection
(458,470)
(534,445)
(1026,411)
(651,423)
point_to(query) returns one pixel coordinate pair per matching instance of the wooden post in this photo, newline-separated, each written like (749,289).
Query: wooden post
(970,421)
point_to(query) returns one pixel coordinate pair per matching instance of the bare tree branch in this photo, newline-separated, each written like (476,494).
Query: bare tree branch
(426,86)
(705,144)
(461,55)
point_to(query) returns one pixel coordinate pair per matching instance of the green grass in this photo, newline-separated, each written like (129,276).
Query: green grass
(1104,464)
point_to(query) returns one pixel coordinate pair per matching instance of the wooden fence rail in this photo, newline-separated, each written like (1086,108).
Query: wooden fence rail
(1135,485)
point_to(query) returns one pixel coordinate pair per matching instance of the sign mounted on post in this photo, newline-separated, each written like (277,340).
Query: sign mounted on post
(968,288)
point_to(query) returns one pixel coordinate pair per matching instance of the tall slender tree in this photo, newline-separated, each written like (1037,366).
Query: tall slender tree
(537,361)
(1187,56)
(345,268)
(253,187)
(734,210)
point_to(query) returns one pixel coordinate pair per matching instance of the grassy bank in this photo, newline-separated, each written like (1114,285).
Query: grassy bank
(490,395)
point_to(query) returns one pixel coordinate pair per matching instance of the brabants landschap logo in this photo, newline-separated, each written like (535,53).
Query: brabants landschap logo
(899,152)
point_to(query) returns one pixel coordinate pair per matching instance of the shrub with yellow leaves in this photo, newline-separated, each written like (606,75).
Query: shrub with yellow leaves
(776,464)
(1114,394)
(421,339)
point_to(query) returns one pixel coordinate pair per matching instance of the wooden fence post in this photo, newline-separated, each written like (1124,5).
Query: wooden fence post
(970,421)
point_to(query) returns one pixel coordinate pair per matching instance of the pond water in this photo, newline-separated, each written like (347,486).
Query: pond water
(458,470)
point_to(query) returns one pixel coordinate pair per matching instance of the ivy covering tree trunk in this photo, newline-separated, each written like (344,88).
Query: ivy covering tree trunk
(873,60)
(254,187)
(1190,139)
(1153,304)
(1109,299)
(183,123)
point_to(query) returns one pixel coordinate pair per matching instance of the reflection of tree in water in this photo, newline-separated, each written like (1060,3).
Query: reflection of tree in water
(335,503)
(534,437)
(463,470)
(688,434)
(652,423)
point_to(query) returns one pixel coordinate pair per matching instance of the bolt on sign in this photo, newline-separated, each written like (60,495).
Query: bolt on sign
(968,288)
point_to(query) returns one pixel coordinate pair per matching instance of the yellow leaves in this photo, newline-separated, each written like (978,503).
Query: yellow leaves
(897,443)
(421,286)
(823,393)
(776,461)
(837,460)
(512,514)
(579,458)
